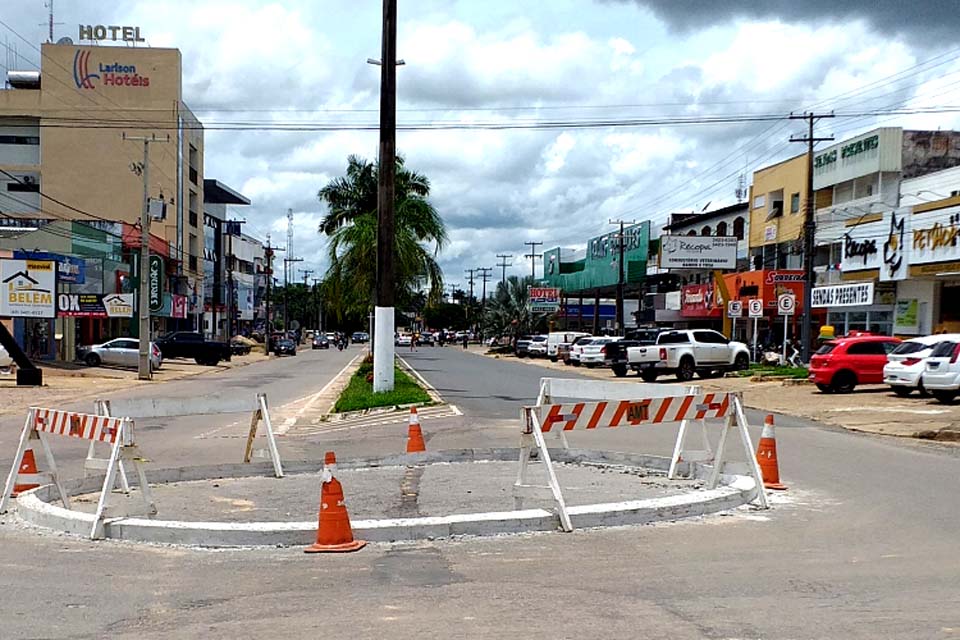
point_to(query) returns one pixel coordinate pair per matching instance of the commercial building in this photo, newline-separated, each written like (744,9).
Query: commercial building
(776,214)
(229,263)
(62,142)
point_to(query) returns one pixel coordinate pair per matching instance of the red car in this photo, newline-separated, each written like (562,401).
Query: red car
(840,365)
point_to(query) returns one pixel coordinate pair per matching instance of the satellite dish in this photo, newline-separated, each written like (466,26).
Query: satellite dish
(65,40)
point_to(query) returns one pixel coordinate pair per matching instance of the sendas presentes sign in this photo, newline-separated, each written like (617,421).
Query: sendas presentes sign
(843,295)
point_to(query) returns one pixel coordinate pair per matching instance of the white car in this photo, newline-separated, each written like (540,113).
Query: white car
(906,364)
(122,352)
(941,375)
(538,347)
(404,340)
(558,338)
(591,353)
(5,359)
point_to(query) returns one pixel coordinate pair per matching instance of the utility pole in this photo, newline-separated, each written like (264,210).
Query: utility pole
(383,350)
(319,303)
(503,264)
(533,257)
(268,254)
(231,297)
(620,249)
(143,362)
(470,297)
(484,275)
(286,291)
(809,231)
(306,273)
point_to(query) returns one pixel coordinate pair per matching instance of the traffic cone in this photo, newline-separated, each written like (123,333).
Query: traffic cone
(415,442)
(767,456)
(28,466)
(333,531)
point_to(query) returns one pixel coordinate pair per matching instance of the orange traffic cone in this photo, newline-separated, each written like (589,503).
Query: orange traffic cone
(333,531)
(415,442)
(28,466)
(767,456)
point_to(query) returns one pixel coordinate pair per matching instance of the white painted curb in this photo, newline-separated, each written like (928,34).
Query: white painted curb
(33,506)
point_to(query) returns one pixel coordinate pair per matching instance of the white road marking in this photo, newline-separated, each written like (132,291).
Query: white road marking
(210,433)
(920,412)
(289,422)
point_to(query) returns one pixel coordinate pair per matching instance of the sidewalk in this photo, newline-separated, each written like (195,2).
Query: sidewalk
(68,382)
(870,408)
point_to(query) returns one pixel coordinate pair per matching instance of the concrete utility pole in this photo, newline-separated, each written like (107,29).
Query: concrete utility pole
(268,329)
(503,264)
(470,298)
(383,350)
(231,297)
(144,371)
(319,303)
(533,257)
(809,231)
(620,280)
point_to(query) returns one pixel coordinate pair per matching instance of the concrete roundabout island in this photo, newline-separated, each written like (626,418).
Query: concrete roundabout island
(463,492)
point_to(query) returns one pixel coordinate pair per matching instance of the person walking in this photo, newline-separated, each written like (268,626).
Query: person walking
(466,339)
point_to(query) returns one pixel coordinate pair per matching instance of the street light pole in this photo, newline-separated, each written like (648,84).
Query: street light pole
(383,350)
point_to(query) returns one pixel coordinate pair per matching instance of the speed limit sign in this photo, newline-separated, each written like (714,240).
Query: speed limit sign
(786,304)
(755,308)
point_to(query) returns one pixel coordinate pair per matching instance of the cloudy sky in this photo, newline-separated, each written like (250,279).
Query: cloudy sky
(531,62)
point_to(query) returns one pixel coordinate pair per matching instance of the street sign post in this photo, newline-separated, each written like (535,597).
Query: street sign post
(734,311)
(755,311)
(786,306)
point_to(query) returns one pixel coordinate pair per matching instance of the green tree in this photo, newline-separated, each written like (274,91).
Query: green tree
(351,224)
(445,315)
(508,311)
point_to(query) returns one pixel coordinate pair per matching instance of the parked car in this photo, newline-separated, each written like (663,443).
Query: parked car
(941,376)
(840,365)
(565,350)
(121,352)
(537,347)
(285,346)
(320,341)
(557,338)
(615,353)
(403,340)
(522,346)
(590,353)
(685,353)
(239,347)
(906,364)
(425,338)
(360,337)
(6,360)
(188,344)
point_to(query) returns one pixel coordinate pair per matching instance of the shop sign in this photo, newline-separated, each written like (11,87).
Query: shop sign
(698,301)
(544,299)
(107,74)
(155,283)
(70,270)
(878,150)
(843,295)
(855,249)
(99,32)
(95,305)
(935,236)
(905,314)
(770,233)
(27,288)
(178,306)
(698,252)
(882,245)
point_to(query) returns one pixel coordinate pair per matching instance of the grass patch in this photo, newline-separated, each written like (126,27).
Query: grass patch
(359,393)
(766,370)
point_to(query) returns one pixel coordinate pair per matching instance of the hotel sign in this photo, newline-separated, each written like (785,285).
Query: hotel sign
(101,32)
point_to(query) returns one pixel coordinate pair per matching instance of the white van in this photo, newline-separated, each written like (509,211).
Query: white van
(556,338)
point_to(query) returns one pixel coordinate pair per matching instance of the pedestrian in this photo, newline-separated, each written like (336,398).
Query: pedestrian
(413,341)
(466,339)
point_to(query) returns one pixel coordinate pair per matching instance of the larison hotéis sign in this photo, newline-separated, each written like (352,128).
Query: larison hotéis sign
(108,74)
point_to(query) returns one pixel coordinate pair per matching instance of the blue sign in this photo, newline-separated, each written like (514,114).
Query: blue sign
(70,270)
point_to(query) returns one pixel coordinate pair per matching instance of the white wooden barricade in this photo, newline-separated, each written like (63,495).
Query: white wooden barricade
(617,404)
(92,462)
(118,432)
(211,404)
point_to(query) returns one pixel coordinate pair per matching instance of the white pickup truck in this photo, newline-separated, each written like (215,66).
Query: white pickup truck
(684,353)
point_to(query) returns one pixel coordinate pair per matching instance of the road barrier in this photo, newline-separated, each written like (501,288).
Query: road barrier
(117,432)
(603,405)
(212,404)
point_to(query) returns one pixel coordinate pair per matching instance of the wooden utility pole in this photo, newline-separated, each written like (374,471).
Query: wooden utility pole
(144,371)
(503,264)
(533,255)
(809,231)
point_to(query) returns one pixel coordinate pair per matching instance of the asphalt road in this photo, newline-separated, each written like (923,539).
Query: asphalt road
(863,545)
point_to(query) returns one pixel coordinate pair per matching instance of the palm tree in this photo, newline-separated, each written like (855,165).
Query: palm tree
(508,310)
(351,224)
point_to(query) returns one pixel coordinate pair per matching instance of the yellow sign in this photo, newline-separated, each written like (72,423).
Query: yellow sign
(28,288)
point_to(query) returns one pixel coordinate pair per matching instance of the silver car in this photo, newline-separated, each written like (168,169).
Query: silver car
(121,352)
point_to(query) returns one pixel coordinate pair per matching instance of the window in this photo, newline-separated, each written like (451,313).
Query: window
(867,349)
(722,229)
(943,350)
(759,201)
(738,224)
(691,232)
(672,338)
(709,337)
(5,139)
(26,186)
(705,231)
(795,203)
(910,346)
(826,348)
(125,344)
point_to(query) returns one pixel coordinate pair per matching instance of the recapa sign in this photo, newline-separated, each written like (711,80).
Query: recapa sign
(698,252)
